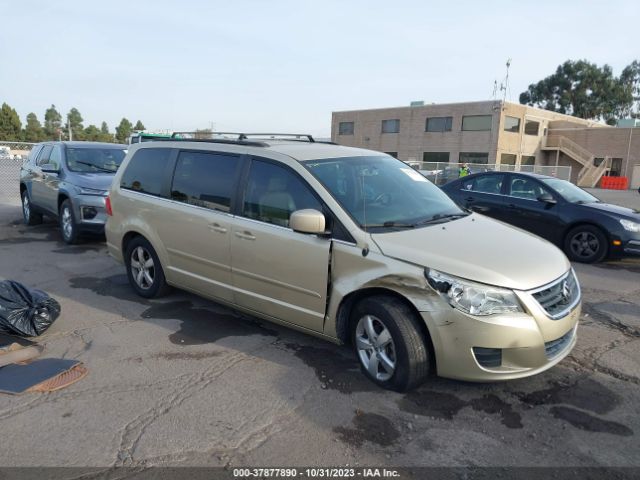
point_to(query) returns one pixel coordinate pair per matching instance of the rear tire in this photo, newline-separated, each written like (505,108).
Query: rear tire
(388,343)
(28,215)
(144,270)
(586,244)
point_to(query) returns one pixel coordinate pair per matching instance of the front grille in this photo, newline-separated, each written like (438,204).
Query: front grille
(559,298)
(488,357)
(555,347)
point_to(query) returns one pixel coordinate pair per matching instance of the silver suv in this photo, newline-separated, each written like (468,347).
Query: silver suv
(346,244)
(69,181)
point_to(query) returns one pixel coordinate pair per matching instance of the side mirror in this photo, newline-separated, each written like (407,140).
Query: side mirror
(307,221)
(547,198)
(49,168)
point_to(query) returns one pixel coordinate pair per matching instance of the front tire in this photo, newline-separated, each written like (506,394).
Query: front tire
(144,270)
(28,215)
(68,224)
(389,344)
(586,244)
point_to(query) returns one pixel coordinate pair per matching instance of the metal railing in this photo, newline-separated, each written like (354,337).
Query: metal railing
(441,173)
(573,149)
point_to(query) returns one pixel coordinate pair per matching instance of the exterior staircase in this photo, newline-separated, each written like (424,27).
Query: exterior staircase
(589,174)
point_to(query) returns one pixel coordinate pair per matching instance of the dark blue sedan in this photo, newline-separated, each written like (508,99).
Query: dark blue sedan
(584,227)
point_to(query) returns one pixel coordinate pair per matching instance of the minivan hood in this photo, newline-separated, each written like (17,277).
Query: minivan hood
(480,249)
(99,181)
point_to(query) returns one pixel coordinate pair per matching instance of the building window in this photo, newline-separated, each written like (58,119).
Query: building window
(391,126)
(477,123)
(345,128)
(442,157)
(438,124)
(474,157)
(531,127)
(528,160)
(511,124)
(616,167)
(508,159)
(393,154)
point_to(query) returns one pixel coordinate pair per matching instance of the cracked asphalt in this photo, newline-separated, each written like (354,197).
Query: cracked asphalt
(182,381)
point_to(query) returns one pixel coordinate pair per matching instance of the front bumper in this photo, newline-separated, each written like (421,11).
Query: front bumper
(624,243)
(527,343)
(90,213)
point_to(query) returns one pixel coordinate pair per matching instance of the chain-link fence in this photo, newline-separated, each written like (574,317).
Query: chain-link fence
(12,154)
(441,173)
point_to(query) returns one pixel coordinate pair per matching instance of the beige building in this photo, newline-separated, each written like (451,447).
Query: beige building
(494,132)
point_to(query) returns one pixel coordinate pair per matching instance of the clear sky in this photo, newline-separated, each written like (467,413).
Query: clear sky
(274,65)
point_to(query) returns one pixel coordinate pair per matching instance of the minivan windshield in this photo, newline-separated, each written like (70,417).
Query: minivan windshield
(94,160)
(569,191)
(380,192)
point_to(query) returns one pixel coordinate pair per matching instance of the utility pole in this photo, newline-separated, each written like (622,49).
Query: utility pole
(70,130)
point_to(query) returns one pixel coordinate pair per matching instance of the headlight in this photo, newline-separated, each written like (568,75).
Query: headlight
(630,226)
(91,191)
(473,298)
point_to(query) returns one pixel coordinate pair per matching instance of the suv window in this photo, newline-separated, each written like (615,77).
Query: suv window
(484,184)
(56,156)
(43,158)
(205,179)
(34,154)
(274,192)
(523,187)
(146,171)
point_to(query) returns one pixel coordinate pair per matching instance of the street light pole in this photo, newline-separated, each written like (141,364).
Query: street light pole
(70,130)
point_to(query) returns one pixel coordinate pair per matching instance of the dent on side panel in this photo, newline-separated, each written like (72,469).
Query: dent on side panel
(352,271)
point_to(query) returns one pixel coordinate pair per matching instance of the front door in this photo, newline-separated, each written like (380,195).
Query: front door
(277,271)
(51,181)
(38,187)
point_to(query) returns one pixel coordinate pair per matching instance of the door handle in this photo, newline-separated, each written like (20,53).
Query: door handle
(215,227)
(246,235)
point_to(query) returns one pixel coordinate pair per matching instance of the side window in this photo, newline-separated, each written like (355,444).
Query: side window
(274,192)
(56,156)
(44,155)
(205,179)
(484,184)
(33,155)
(146,172)
(523,187)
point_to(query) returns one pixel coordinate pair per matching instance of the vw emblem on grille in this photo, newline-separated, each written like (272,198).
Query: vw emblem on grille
(566,292)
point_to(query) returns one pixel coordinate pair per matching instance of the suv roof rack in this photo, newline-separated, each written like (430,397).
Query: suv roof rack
(240,137)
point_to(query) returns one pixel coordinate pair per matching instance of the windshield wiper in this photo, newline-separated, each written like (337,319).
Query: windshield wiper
(441,218)
(108,170)
(390,224)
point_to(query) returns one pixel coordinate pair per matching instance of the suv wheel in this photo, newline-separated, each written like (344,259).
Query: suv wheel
(30,217)
(389,344)
(68,224)
(144,270)
(586,244)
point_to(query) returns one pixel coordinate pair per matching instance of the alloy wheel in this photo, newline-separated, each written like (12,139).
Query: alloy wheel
(584,244)
(375,347)
(26,208)
(142,267)
(67,223)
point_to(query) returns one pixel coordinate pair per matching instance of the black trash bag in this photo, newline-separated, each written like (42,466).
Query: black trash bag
(25,312)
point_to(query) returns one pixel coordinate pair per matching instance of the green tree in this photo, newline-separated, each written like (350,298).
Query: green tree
(581,89)
(92,134)
(10,124)
(123,131)
(104,128)
(139,126)
(33,131)
(630,78)
(105,135)
(52,123)
(74,122)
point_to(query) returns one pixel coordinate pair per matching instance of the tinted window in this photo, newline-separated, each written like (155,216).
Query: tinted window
(56,156)
(94,160)
(473,157)
(34,154)
(345,128)
(531,127)
(435,157)
(44,155)
(477,122)
(523,187)
(146,172)
(390,126)
(439,124)
(528,160)
(511,124)
(508,159)
(484,184)
(274,192)
(205,180)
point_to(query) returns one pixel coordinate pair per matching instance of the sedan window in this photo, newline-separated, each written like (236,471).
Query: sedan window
(522,187)
(484,184)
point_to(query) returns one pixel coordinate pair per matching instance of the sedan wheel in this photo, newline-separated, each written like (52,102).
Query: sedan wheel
(586,244)
(376,349)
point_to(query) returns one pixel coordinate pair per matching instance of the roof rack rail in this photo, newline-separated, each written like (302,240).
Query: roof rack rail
(215,137)
(240,136)
(277,136)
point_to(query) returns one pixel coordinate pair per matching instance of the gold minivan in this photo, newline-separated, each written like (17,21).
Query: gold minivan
(347,244)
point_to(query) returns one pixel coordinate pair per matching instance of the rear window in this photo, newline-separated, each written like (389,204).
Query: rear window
(146,172)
